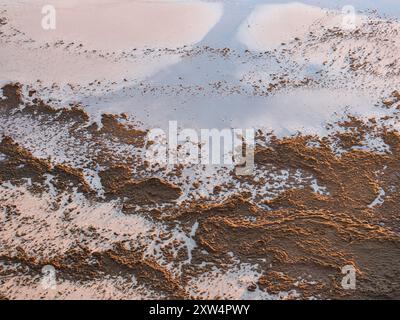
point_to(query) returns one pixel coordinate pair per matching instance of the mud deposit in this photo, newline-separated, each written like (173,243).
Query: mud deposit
(78,196)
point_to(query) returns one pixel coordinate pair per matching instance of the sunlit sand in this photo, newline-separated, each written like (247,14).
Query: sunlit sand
(97,32)
(80,194)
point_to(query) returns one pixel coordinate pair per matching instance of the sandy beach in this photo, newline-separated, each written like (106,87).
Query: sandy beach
(86,214)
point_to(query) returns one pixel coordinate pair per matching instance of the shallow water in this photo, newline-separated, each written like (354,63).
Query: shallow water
(73,192)
(200,90)
(286,112)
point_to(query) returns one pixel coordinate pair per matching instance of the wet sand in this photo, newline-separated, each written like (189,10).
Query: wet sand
(99,41)
(77,194)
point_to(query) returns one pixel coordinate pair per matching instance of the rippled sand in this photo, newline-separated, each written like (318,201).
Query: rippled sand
(78,195)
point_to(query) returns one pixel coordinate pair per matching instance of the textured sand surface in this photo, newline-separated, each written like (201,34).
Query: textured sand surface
(78,196)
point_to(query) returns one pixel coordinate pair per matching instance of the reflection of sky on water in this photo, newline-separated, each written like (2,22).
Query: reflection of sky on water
(305,110)
(236,11)
(390,7)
